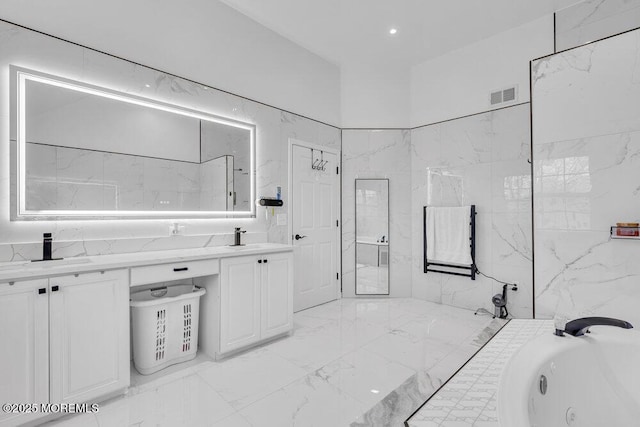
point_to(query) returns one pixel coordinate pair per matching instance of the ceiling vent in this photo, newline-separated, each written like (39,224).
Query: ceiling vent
(504,96)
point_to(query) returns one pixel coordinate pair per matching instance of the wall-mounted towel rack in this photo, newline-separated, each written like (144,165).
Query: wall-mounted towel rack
(453,269)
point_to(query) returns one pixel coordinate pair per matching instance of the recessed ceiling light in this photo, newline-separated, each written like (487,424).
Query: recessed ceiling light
(393,31)
(147,85)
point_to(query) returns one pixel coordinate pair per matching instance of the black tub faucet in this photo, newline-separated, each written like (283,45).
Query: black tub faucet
(579,327)
(238,232)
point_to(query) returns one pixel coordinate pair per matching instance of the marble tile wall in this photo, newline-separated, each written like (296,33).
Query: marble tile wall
(482,160)
(586,153)
(591,20)
(378,154)
(22,240)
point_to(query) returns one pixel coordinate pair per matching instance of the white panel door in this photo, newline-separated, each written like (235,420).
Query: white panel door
(89,335)
(314,227)
(239,302)
(24,346)
(276,294)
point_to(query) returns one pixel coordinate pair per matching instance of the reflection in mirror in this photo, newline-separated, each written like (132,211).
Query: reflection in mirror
(372,237)
(84,150)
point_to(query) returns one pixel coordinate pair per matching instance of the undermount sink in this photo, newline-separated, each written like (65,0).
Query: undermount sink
(43,264)
(65,261)
(247,246)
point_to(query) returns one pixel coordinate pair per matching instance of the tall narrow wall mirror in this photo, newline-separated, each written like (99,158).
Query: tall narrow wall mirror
(88,151)
(372,237)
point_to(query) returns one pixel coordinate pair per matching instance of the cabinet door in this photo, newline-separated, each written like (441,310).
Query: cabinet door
(239,302)
(24,346)
(89,333)
(277,294)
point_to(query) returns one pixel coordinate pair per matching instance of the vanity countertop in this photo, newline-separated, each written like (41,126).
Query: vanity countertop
(23,270)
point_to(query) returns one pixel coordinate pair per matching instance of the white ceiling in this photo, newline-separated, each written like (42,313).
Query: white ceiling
(356,31)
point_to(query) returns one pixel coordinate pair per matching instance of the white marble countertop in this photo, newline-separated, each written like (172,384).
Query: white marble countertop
(24,270)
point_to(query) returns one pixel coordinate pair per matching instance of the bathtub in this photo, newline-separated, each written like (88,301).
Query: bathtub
(591,381)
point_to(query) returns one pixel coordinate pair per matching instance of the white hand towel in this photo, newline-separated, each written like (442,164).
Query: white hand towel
(448,235)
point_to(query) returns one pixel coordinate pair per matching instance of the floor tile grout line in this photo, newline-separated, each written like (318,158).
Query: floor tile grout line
(487,404)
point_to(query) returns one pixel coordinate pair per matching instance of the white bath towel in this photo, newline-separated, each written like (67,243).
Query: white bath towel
(448,235)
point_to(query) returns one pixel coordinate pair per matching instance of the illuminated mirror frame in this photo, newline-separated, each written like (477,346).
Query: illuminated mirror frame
(20,76)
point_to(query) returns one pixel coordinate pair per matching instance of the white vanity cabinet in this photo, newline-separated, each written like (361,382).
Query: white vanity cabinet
(256,299)
(276,292)
(24,346)
(239,302)
(63,339)
(89,335)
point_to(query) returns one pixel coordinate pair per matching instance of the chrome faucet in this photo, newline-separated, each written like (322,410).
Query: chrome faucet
(579,327)
(238,233)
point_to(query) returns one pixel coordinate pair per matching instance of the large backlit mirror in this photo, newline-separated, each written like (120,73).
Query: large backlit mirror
(372,236)
(89,151)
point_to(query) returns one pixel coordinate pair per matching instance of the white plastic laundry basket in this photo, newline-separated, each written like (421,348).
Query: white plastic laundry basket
(165,326)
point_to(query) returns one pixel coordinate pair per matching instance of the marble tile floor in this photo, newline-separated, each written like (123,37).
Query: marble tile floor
(358,362)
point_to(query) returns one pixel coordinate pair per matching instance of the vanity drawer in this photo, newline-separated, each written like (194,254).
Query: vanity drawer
(173,271)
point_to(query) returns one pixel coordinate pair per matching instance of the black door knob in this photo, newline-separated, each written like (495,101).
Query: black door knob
(298,237)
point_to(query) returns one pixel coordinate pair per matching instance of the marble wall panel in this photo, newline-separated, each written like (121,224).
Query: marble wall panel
(560,79)
(21,240)
(378,154)
(481,160)
(591,20)
(586,151)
